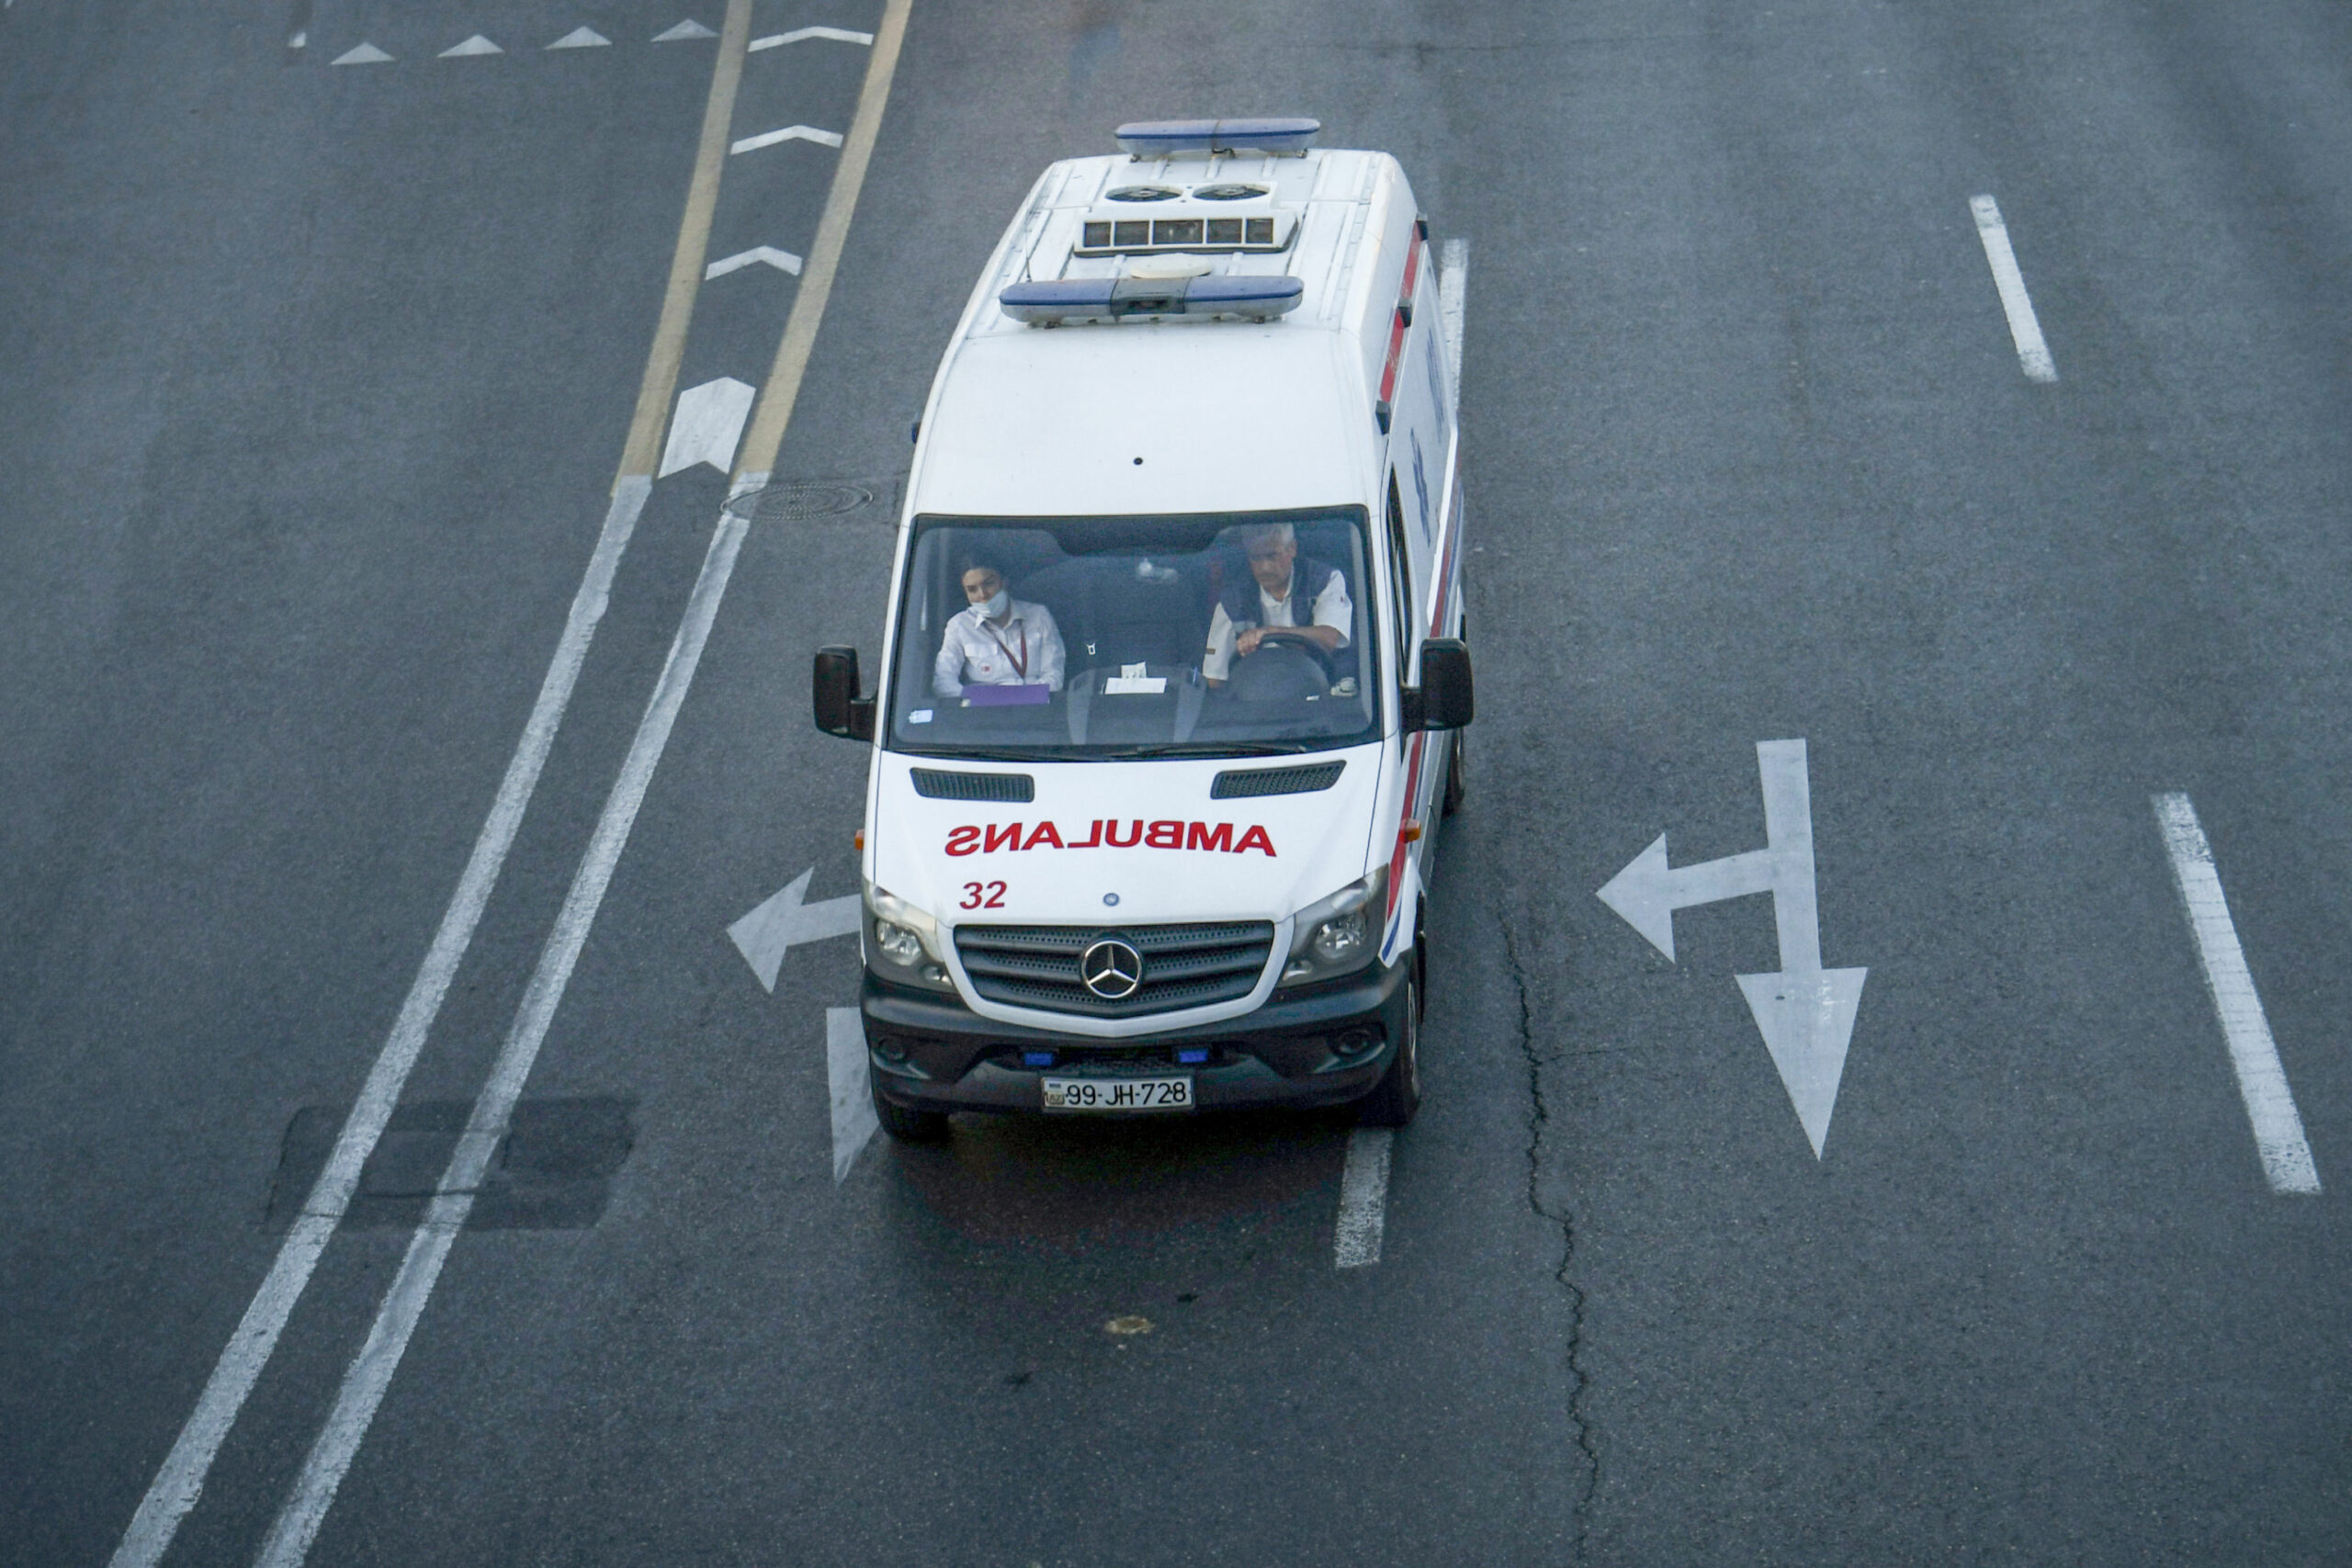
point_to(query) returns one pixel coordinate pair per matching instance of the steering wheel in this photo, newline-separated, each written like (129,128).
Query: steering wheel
(1291,637)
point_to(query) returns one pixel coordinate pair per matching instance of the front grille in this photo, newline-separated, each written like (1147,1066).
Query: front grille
(1183,967)
(934,784)
(1244,783)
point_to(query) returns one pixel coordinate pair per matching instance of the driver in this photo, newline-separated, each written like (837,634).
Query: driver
(1305,596)
(998,641)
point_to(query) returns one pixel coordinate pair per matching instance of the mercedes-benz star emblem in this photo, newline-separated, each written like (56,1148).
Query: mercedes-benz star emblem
(1111,969)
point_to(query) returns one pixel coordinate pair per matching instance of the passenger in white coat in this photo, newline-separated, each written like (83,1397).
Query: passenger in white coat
(998,641)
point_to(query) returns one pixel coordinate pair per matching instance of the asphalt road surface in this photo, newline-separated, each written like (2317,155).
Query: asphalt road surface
(314,382)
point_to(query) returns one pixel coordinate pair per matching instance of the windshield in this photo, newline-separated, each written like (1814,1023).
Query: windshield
(1228,636)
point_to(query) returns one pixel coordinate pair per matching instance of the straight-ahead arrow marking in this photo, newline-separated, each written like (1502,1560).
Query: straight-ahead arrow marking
(789,133)
(798,35)
(845,1069)
(783,261)
(1805,1013)
(783,922)
(708,424)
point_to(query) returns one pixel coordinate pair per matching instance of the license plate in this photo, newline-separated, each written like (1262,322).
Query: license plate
(1119,1094)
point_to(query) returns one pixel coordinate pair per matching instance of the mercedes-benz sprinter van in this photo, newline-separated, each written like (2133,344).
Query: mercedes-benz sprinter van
(1172,679)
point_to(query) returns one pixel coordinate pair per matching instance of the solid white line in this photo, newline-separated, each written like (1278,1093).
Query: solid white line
(789,133)
(2262,1081)
(1363,1197)
(1452,289)
(364,1385)
(2024,331)
(181,1481)
(839,35)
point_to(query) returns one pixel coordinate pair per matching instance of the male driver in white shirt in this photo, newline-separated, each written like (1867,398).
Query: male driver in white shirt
(998,641)
(1305,596)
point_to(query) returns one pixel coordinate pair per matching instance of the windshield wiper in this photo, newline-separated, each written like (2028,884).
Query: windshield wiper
(1204,748)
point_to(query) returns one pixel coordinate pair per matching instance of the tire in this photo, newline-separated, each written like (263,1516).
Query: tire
(1457,783)
(904,1123)
(1397,1096)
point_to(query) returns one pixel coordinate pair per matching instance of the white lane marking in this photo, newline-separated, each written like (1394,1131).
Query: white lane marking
(768,255)
(2262,1081)
(1805,1013)
(783,922)
(2033,354)
(839,35)
(364,1384)
(789,133)
(582,37)
(181,1480)
(1363,1197)
(689,28)
(364,55)
(300,41)
(474,45)
(708,424)
(1452,289)
(845,1070)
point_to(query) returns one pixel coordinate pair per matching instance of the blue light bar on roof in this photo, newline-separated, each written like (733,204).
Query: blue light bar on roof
(1172,138)
(1052,301)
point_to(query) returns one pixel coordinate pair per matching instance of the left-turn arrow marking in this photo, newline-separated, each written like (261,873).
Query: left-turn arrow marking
(1805,1013)
(783,922)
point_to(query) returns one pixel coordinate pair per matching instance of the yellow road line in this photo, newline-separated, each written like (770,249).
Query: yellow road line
(783,388)
(653,394)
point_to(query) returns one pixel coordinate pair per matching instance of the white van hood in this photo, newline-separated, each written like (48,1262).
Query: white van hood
(1163,851)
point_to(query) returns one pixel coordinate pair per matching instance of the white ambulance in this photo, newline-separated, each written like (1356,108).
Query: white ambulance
(1172,672)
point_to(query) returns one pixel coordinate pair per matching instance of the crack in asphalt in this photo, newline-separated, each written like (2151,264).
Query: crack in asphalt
(1539,1118)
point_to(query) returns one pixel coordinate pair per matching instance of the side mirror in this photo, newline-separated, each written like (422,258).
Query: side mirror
(834,689)
(1444,699)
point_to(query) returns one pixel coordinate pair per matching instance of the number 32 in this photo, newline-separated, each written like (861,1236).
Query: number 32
(983,896)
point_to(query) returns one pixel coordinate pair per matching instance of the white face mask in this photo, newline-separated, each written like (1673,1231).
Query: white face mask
(994,606)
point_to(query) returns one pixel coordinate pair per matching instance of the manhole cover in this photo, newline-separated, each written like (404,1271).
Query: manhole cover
(805,499)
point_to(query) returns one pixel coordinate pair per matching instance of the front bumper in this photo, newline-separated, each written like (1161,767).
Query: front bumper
(1313,1046)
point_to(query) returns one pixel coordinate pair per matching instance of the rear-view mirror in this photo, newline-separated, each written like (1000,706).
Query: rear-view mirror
(834,689)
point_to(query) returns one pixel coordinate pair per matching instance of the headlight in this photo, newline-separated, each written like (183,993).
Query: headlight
(1338,934)
(903,942)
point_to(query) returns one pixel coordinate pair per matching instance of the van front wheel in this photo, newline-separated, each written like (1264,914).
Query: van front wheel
(1398,1094)
(903,1122)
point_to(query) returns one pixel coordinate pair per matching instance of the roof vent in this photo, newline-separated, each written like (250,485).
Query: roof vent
(1223,192)
(1175,138)
(1142,193)
(1050,302)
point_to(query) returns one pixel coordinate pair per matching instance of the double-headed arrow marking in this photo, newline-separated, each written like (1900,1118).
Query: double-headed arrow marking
(1806,1012)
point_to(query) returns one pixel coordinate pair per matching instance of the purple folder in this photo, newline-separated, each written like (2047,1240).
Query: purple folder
(1008,696)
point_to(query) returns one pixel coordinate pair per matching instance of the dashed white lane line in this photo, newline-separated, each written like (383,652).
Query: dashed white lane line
(2033,354)
(845,1069)
(800,35)
(364,55)
(582,37)
(181,1480)
(2262,1081)
(683,32)
(1363,1197)
(473,46)
(768,255)
(789,133)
